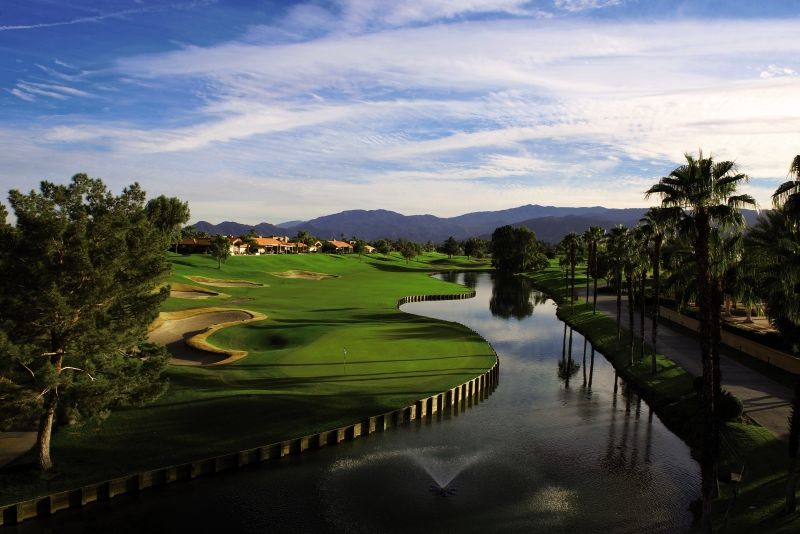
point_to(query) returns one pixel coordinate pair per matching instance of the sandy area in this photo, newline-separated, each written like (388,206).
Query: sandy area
(304,275)
(224,283)
(14,444)
(193,295)
(176,333)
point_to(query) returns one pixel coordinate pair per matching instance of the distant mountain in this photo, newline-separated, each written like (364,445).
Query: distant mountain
(234,228)
(550,223)
(552,229)
(289,224)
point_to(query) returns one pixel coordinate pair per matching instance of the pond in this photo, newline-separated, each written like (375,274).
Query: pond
(561,445)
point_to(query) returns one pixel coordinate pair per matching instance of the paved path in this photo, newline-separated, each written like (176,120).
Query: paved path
(766,401)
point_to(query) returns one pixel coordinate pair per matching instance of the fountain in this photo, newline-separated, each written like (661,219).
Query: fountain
(442,466)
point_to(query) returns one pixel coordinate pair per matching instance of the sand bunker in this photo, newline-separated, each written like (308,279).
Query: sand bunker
(304,275)
(185,333)
(185,291)
(223,283)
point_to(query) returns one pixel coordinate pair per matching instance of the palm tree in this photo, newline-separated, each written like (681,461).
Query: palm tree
(773,251)
(616,251)
(572,251)
(593,238)
(657,223)
(630,263)
(706,191)
(787,196)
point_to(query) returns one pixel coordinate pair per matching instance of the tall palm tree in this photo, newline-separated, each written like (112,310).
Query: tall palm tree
(773,251)
(631,266)
(616,253)
(657,224)
(787,196)
(593,237)
(572,251)
(706,191)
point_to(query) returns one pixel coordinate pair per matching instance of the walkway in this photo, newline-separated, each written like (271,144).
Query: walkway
(766,401)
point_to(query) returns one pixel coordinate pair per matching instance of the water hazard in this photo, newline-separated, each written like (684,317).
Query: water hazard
(560,446)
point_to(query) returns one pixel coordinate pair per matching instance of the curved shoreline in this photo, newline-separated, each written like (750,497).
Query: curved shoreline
(460,397)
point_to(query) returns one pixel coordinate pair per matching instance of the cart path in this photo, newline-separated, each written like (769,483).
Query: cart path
(765,400)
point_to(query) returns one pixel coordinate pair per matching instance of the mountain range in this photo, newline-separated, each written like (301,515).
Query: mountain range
(549,223)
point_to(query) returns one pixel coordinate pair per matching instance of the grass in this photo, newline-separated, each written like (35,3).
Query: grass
(293,381)
(756,504)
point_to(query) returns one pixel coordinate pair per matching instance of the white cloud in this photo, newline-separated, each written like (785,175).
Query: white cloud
(490,114)
(774,70)
(583,5)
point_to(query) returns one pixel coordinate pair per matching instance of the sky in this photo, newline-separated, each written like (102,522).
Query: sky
(269,111)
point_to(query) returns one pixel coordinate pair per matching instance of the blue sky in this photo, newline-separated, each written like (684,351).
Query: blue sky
(270,111)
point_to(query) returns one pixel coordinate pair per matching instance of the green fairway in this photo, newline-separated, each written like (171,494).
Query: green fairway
(294,379)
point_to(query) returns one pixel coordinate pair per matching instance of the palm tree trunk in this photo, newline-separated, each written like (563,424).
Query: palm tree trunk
(641,316)
(619,303)
(708,454)
(587,281)
(631,336)
(656,295)
(594,298)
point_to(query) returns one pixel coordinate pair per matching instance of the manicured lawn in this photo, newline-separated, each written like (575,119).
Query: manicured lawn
(764,457)
(293,381)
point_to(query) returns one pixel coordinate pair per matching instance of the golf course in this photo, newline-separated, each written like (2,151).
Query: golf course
(273,347)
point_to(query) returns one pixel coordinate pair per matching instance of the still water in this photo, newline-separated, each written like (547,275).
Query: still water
(560,446)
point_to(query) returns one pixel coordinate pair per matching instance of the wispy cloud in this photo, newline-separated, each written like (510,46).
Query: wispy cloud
(355,105)
(103,16)
(583,5)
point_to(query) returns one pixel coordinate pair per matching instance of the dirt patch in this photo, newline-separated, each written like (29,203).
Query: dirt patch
(185,334)
(223,283)
(304,275)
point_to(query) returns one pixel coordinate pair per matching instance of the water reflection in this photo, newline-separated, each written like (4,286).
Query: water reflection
(470,280)
(513,296)
(567,367)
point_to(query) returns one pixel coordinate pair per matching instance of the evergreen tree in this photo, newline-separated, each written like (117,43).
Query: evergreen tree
(80,273)
(516,250)
(451,247)
(220,249)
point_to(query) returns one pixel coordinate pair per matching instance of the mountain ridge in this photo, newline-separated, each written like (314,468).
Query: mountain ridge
(549,223)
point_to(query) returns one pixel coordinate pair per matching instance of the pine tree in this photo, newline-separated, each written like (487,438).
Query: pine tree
(81,274)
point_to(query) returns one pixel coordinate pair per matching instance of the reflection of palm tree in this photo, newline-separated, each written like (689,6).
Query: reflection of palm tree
(567,368)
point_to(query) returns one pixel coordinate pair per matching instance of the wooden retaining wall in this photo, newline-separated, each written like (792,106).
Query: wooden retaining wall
(453,400)
(780,359)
